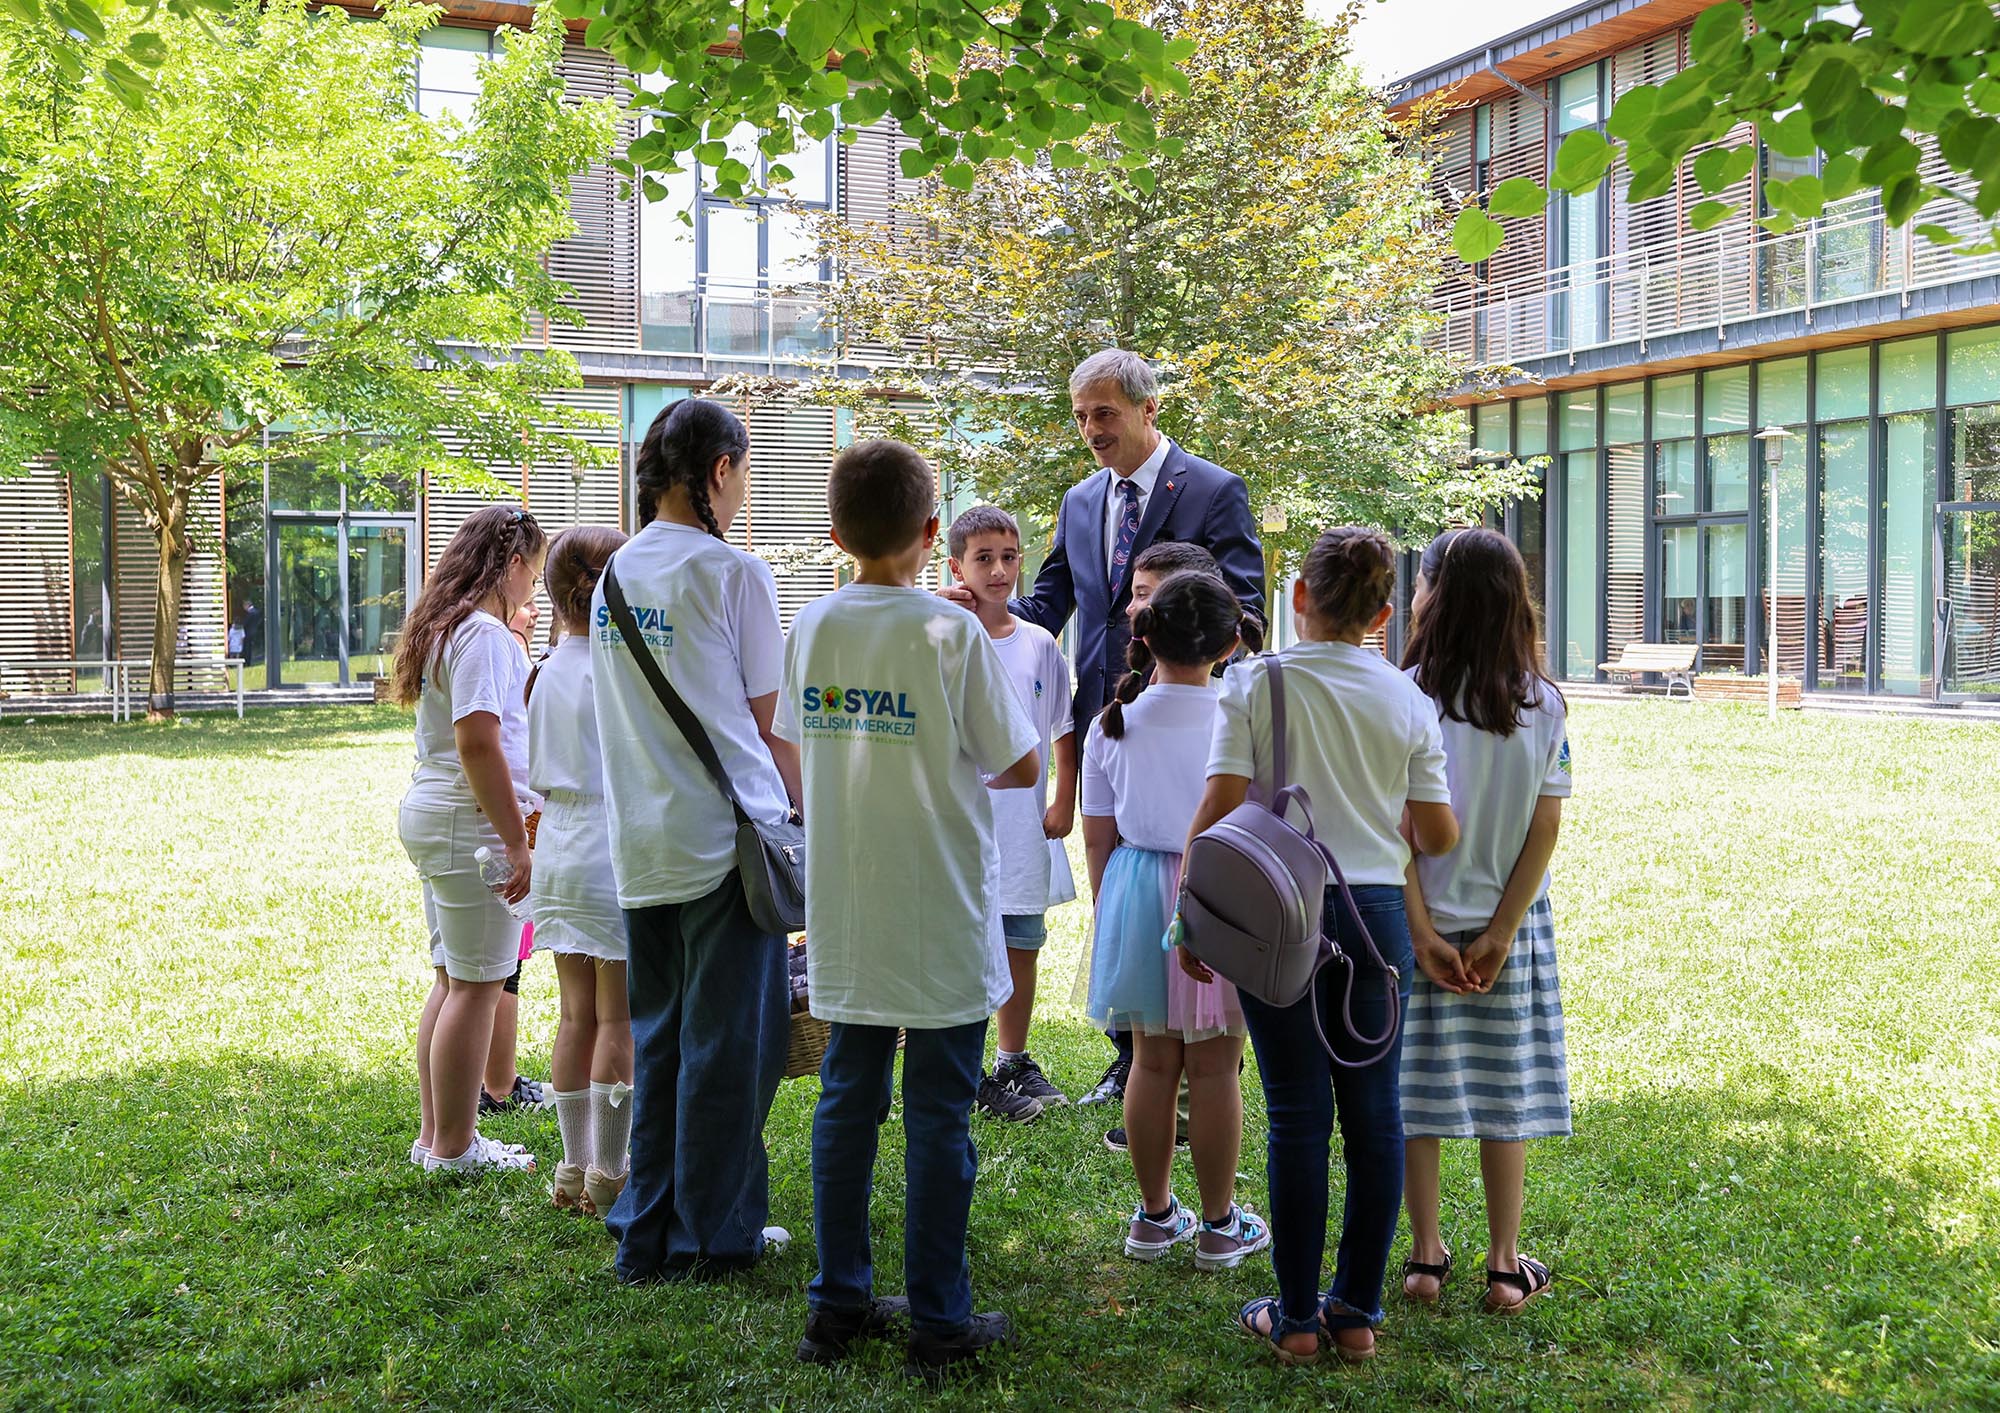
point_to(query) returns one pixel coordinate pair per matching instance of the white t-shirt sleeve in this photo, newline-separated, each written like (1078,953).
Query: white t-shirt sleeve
(480,668)
(1428,782)
(1097,799)
(1062,720)
(1233,751)
(1556,778)
(760,641)
(995,728)
(785,721)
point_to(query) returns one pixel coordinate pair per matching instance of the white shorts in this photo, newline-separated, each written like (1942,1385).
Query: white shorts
(472,935)
(575,892)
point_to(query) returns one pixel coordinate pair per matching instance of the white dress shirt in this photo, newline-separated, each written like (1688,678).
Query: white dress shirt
(1114,502)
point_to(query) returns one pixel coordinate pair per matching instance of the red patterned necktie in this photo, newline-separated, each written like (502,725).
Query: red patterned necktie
(1128,532)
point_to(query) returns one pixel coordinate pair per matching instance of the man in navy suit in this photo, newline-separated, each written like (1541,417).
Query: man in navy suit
(1149,490)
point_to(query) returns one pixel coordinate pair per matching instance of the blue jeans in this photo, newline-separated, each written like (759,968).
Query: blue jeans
(1303,1090)
(711,1018)
(941,1070)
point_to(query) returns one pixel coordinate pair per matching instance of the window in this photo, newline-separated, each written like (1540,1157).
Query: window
(1972,366)
(1724,550)
(448,61)
(1675,491)
(1840,385)
(1909,495)
(89,498)
(1580,564)
(721,284)
(1785,469)
(1577,223)
(1841,626)
(1679,574)
(1781,392)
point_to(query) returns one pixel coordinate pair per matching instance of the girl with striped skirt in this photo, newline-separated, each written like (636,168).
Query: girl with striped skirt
(1483,1049)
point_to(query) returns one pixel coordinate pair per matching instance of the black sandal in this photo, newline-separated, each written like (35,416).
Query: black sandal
(1424,1268)
(1532,1279)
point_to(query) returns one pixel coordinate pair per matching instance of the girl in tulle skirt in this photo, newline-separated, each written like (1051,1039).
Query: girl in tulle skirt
(1144,766)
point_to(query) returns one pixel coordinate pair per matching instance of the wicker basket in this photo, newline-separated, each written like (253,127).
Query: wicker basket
(809,1036)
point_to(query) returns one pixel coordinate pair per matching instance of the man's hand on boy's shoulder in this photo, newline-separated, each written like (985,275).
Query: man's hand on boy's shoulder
(960,595)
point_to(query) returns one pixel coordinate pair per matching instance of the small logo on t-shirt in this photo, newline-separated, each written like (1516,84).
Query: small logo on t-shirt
(1562,757)
(1038,689)
(851,711)
(653,626)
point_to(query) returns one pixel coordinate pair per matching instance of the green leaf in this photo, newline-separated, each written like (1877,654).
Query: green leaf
(865,105)
(1938,235)
(812,28)
(763,46)
(1145,179)
(1807,196)
(733,172)
(829,86)
(1791,135)
(915,163)
(147,48)
(1842,176)
(1064,157)
(1718,35)
(712,153)
(1475,235)
(1901,196)
(960,176)
(1631,114)
(1710,214)
(1581,161)
(1518,196)
(1943,27)
(28,10)
(940,86)
(1720,168)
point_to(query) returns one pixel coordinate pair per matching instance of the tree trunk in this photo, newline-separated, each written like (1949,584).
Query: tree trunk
(175,551)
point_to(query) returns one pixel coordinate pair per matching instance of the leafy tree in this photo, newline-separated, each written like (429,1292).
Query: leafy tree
(1279,269)
(1071,66)
(278,241)
(1870,85)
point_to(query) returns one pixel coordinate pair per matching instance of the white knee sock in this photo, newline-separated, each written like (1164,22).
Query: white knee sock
(573,1118)
(610,1126)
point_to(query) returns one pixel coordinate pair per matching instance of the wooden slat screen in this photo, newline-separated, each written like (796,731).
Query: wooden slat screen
(600,262)
(1516,327)
(1451,184)
(1644,231)
(785,516)
(34,571)
(1625,557)
(135,576)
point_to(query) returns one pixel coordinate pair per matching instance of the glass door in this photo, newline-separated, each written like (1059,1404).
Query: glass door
(1724,572)
(1967,612)
(311,644)
(378,594)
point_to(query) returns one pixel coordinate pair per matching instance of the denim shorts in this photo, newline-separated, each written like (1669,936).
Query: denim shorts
(1025,932)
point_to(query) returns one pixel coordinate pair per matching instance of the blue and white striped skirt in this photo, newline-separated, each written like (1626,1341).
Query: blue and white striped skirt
(1491,1066)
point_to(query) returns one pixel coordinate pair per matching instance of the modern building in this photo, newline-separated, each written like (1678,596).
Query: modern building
(309,582)
(1675,379)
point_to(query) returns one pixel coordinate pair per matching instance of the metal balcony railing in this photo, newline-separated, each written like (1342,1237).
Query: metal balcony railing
(1710,281)
(736,322)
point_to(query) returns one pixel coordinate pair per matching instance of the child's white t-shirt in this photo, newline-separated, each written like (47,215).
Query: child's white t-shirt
(1495,781)
(480,668)
(1035,664)
(709,614)
(902,709)
(1151,778)
(562,723)
(1359,737)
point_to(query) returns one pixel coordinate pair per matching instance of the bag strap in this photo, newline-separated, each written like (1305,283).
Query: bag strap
(683,716)
(1275,676)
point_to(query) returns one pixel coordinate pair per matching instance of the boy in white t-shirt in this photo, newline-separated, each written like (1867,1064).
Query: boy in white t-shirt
(904,719)
(1034,871)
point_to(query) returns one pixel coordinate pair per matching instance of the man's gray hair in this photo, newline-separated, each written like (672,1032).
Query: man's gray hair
(1133,375)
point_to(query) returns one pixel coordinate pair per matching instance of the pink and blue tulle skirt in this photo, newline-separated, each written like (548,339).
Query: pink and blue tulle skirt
(1136,984)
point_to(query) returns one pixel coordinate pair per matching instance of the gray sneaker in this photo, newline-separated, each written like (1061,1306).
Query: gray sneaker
(997,1101)
(1223,1246)
(1148,1240)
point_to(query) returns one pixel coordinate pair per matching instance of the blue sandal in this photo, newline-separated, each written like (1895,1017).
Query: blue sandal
(1267,1306)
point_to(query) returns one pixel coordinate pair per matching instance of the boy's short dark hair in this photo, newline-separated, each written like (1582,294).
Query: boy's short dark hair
(1175,557)
(878,495)
(980,520)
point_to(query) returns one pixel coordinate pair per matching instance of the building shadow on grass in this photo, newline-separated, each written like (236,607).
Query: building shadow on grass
(246,1232)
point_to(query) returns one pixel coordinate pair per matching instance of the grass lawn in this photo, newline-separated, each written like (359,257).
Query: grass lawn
(1783,989)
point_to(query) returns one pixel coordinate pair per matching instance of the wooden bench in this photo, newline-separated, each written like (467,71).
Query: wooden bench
(1673,661)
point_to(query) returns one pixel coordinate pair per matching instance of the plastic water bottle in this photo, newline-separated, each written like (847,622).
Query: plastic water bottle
(495,872)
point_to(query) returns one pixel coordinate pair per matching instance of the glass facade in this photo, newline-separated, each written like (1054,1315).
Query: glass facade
(90,598)
(1881,464)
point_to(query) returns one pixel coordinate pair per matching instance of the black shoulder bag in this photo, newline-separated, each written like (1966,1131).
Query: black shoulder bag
(770,857)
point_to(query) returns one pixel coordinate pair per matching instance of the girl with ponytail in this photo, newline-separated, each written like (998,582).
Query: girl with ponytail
(708,989)
(1142,779)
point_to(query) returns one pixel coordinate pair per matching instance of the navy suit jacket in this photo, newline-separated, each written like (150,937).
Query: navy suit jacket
(1194,501)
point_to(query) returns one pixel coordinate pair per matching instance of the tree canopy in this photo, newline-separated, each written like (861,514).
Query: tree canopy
(278,241)
(1873,86)
(1278,271)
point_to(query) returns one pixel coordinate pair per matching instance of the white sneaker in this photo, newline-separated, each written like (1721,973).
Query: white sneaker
(777,1239)
(483,1155)
(418,1152)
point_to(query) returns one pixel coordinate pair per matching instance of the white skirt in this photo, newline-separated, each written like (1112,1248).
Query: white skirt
(574,894)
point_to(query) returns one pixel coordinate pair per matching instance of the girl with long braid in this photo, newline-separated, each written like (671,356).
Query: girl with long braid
(709,992)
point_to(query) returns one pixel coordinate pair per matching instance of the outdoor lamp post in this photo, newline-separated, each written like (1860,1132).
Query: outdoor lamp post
(1774,438)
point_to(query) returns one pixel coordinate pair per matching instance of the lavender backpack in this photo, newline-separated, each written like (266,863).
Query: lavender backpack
(1253,892)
